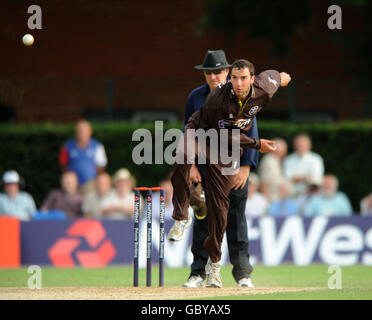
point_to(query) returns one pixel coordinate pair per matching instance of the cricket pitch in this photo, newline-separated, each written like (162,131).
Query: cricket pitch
(138,293)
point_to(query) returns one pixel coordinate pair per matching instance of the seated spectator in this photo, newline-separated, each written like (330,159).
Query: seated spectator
(271,170)
(13,202)
(257,204)
(285,206)
(66,199)
(329,202)
(92,203)
(119,203)
(312,189)
(302,165)
(366,205)
(83,155)
(168,192)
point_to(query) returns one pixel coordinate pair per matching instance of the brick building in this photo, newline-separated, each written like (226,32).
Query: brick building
(116,57)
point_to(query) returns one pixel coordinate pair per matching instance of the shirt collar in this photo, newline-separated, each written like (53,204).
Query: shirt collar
(252,92)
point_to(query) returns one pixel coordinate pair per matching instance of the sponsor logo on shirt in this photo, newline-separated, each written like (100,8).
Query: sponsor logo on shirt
(221,124)
(253,110)
(221,84)
(241,123)
(237,124)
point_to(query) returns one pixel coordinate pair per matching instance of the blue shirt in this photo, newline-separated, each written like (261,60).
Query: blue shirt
(84,162)
(336,206)
(22,206)
(283,208)
(195,101)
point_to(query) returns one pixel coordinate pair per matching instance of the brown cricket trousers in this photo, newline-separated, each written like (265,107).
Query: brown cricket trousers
(217,189)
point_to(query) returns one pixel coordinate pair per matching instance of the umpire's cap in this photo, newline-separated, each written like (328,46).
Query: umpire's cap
(214,60)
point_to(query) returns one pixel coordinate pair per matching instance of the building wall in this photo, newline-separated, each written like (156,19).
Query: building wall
(149,50)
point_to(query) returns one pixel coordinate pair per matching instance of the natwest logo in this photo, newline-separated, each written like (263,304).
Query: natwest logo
(102,251)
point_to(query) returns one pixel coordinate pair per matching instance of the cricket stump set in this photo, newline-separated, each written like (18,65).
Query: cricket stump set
(137,208)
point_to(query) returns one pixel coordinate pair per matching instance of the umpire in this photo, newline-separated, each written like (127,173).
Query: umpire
(216,70)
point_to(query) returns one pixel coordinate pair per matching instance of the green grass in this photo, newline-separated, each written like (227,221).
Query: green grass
(356,280)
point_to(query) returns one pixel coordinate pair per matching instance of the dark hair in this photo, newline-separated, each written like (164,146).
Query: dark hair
(242,63)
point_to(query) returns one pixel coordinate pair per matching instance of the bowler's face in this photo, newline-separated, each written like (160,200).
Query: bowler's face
(241,81)
(215,77)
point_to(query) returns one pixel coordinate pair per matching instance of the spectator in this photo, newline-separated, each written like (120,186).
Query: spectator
(285,206)
(66,199)
(366,205)
(312,189)
(302,165)
(271,170)
(257,204)
(14,202)
(83,155)
(92,203)
(329,202)
(168,192)
(119,203)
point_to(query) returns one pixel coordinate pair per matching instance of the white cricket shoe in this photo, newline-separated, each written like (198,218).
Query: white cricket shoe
(195,281)
(176,233)
(213,274)
(246,282)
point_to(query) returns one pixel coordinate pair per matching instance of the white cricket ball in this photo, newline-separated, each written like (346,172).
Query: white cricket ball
(28,39)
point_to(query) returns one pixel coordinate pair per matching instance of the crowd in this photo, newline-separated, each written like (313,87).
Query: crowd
(86,189)
(286,185)
(296,185)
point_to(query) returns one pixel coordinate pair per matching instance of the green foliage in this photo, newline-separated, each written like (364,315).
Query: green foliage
(33,151)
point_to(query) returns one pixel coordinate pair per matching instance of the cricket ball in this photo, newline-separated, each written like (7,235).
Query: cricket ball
(28,40)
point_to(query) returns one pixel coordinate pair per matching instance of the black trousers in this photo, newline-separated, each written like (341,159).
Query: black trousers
(236,234)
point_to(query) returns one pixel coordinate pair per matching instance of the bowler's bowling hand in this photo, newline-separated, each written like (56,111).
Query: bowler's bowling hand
(267,145)
(285,78)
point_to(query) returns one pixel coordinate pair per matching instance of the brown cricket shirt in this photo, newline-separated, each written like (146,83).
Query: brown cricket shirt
(222,107)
